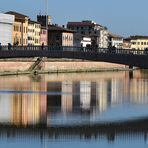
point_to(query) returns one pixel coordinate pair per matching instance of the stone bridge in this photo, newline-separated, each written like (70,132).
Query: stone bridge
(131,58)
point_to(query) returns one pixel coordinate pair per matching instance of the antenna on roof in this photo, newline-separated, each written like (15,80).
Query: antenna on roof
(40,12)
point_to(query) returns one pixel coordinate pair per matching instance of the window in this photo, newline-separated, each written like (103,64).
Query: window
(57,38)
(90,28)
(141,43)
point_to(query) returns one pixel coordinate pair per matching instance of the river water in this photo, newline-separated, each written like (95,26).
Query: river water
(106,109)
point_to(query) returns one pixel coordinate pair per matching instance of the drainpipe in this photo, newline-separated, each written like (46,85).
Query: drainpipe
(22,30)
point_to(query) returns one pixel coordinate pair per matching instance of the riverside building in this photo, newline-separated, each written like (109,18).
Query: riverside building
(43,36)
(34,29)
(6,27)
(20,29)
(97,33)
(115,40)
(60,36)
(139,42)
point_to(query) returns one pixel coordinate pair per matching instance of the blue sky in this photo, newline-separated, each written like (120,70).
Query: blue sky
(123,17)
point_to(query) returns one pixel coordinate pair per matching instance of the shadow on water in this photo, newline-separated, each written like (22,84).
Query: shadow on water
(109,130)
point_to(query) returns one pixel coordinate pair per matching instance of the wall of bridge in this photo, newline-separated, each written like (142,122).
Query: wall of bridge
(14,65)
(81,66)
(58,66)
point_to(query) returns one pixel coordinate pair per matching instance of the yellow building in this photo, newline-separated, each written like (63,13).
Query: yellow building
(34,29)
(37,33)
(139,42)
(20,29)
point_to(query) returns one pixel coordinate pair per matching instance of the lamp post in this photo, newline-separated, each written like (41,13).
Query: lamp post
(47,19)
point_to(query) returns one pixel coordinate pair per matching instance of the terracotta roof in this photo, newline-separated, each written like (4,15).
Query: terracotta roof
(127,39)
(17,15)
(59,28)
(33,22)
(114,35)
(138,37)
(83,23)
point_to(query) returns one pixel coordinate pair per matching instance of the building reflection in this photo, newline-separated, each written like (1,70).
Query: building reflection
(22,107)
(41,102)
(66,100)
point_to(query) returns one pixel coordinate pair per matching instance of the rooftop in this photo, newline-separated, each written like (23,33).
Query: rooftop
(115,35)
(33,22)
(59,28)
(17,15)
(84,23)
(136,37)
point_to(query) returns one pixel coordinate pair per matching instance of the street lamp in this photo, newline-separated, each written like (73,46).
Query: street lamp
(47,19)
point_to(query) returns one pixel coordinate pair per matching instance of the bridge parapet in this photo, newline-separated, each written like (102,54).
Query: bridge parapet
(73,48)
(137,58)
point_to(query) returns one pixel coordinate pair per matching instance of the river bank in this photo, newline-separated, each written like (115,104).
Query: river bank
(43,65)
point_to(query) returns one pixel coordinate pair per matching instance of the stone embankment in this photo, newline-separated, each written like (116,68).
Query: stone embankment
(43,65)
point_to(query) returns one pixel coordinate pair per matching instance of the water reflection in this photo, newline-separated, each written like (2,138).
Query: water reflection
(56,102)
(70,101)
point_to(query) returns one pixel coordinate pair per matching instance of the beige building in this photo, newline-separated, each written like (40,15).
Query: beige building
(115,41)
(139,42)
(20,29)
(67,39)
(126,43)
(34,29)
(60,36)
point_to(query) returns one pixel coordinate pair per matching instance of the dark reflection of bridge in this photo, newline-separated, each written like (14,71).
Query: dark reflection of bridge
(110,131)
(136,58)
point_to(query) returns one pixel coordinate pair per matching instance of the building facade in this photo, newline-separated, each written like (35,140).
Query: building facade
(6,27)
(31,33)
(103,39)
(43,36)
(115,40)
(86,41)
(97,33)
(20,29)
(139,42)
(59,36)
(126,43)
(34,29)
(67,38)
(37,31)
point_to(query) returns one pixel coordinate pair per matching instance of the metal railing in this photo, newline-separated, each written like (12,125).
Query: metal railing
(74,49)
